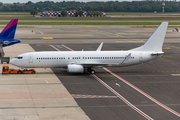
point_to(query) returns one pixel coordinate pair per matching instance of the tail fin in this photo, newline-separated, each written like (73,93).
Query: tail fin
(155,42)
(9,30)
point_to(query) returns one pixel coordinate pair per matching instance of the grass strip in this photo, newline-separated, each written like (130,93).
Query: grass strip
(91,23)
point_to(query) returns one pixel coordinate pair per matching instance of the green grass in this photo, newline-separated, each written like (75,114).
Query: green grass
(85,23)
(101,18)
(91,23)
(95,23)
(111,16)
(114,16)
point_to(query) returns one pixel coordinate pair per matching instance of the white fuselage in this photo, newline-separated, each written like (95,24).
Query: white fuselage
(77,61)
(57,59)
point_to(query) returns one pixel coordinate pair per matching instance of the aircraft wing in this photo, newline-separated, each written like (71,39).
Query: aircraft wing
(1,50)
(126,58)
(97,64)
(106,64)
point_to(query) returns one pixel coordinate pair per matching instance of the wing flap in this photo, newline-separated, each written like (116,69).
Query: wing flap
(97,64)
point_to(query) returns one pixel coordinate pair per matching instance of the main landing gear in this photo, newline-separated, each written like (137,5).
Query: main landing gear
(90,70)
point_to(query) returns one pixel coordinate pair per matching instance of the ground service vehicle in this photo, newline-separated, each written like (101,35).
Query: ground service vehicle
(6,70)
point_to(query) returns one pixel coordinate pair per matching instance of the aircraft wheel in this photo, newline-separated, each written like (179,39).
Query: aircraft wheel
(19,72)
(92,72)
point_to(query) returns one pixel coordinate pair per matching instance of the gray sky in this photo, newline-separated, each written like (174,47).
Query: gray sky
(34,1)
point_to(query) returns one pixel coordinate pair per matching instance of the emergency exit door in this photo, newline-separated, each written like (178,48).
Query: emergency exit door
(30,58)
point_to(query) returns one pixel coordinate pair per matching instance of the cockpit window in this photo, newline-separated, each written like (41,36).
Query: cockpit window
(19,57)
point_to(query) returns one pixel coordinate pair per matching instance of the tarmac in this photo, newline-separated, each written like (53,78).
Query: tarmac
(38,96)
(145,91)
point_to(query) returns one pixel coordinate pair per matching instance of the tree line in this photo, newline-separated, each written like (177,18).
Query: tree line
(111,6)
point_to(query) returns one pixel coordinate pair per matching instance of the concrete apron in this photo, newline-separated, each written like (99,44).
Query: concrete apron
(38,96)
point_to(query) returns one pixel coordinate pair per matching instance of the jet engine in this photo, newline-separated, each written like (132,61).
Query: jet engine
(75,68)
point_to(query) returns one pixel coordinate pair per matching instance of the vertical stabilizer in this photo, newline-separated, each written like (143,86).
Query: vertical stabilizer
(9,30)
(155,42)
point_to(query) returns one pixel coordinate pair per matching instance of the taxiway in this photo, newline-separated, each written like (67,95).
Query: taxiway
(146,91)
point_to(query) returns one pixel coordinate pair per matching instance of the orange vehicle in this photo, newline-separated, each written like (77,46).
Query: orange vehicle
(6,70)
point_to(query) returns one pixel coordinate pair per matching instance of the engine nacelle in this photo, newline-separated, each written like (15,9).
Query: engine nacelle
(75,68)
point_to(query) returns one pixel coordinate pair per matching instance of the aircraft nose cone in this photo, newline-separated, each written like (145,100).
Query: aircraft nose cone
(12,62)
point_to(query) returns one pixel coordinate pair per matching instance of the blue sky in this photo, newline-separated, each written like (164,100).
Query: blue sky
(24,1)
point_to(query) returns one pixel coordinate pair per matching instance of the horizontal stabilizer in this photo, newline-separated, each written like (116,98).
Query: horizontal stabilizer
(157,53)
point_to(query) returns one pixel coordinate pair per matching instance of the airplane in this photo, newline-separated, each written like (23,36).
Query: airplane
(79,61)
(7,36)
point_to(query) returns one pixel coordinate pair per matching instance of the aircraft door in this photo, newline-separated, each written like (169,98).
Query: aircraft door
(141,57)
(30,58)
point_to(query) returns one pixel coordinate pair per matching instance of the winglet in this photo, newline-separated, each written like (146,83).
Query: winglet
(100,46)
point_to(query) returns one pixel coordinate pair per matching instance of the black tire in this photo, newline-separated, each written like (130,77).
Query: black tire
(92,72)
(19,72)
